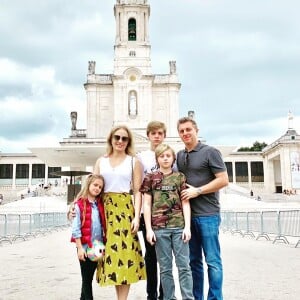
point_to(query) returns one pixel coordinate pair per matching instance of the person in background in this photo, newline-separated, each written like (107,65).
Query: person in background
(123,262)
(206,174)
(88,225)
(156,132)
(167,221)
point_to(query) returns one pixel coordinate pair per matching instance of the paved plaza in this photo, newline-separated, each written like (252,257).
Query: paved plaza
(46,267)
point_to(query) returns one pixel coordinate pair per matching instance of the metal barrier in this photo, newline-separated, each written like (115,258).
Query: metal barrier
(280,224)
(22,226)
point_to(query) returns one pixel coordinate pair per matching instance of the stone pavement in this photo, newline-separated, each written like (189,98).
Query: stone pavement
(46,267)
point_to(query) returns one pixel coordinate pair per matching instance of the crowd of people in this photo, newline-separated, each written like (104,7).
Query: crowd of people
(289,192)
(172,198)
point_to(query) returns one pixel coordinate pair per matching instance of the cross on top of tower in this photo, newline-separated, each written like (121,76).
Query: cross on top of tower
(290,120)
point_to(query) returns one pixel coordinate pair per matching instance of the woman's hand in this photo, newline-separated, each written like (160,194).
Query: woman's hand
(135,224)
(71,212)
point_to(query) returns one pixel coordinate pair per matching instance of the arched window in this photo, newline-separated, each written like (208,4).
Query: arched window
(132,104)
(131,30)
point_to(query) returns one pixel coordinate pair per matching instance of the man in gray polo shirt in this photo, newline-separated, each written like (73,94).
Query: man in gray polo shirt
(206,174)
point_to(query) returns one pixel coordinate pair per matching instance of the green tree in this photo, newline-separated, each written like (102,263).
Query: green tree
(257,146)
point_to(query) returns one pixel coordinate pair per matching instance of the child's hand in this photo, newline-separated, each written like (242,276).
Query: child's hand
(151,238)
(81,254)
(186,235)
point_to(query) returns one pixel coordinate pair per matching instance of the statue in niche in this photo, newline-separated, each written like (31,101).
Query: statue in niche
(191,114)
(74,119)
(92,65)
(172,67)
(132,104)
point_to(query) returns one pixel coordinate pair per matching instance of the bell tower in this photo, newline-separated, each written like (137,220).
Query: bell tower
(132,94)
(132,46)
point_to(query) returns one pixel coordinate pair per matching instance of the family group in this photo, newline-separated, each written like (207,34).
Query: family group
(172,198)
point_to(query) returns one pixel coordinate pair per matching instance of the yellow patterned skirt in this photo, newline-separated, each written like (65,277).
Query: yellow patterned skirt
(123,262)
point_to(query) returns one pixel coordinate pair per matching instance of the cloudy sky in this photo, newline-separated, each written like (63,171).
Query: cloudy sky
(238,62)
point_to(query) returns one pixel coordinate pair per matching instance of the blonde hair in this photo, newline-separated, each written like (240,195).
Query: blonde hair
(156,125)
(161,149)
(85,191)
(130,146)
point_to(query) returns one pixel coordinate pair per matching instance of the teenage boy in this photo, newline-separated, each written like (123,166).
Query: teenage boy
(156,133)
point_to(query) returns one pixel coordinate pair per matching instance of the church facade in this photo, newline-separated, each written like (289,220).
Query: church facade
(134,96)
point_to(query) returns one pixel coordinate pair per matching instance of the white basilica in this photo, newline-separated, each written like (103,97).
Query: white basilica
(133,95)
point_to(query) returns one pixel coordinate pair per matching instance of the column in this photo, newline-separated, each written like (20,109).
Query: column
(118,30)
(233,173)
(30,175)
(146,28)
(14,176)
(46,174)
(249,175)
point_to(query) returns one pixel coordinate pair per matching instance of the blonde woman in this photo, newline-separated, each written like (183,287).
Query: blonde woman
(123,263)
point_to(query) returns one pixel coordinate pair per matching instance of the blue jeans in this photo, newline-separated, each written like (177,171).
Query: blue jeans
(168,242)
(205,239)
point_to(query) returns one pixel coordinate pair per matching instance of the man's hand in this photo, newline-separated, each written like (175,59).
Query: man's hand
(189,193)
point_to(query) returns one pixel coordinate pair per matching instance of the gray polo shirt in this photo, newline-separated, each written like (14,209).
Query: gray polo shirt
(200,166)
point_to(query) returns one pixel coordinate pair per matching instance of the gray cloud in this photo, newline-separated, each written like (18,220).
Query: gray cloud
(238,62)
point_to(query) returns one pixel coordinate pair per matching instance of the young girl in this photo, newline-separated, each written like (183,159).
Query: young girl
(88,225)
(167,221)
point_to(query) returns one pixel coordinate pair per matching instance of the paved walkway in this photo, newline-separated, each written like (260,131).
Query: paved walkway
(46,267)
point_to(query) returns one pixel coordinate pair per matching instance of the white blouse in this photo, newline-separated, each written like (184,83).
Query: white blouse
(117,179)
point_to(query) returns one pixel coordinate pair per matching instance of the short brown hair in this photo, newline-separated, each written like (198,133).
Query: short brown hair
(187,119)
(155,125)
